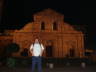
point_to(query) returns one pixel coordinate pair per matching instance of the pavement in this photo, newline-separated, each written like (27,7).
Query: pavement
(54,69)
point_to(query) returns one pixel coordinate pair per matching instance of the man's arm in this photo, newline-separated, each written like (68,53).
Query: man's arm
(42,49)
(31,49)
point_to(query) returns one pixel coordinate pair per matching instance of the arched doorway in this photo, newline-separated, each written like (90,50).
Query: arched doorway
(72,52)
(72,49)
(49,48)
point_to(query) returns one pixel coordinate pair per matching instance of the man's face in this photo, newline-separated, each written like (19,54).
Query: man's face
(36,41)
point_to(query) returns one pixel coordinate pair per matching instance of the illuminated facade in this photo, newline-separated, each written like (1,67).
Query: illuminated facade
(60,39)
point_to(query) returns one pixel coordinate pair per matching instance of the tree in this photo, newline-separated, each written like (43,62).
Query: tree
(13,47)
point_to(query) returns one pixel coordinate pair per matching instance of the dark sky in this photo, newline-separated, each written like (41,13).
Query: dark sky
(16,13)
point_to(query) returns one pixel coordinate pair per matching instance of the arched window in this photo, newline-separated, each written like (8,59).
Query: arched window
(42,26)
(55,26)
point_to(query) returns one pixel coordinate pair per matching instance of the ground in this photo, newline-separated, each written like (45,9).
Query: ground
(60,65)
(59,69)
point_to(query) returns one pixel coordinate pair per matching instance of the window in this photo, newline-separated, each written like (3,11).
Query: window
(55,26)
(42,26)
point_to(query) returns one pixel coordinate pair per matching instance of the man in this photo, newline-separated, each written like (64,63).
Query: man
(36,50)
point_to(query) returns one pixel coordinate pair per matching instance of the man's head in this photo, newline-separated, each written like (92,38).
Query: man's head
(36,40)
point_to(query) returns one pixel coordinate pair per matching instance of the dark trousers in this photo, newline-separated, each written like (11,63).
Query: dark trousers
(36,61)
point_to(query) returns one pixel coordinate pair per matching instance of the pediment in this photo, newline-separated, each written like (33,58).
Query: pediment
(48,12)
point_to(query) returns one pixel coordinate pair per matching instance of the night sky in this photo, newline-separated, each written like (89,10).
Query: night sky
(16,13)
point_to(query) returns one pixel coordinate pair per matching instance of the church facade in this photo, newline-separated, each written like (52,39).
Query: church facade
(59,38)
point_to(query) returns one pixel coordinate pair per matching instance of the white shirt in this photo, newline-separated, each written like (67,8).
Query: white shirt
(36,49)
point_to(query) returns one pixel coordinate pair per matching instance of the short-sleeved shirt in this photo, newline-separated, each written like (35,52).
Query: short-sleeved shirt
(37,49)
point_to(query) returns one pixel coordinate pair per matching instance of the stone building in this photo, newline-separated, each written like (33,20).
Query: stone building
(60,39)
